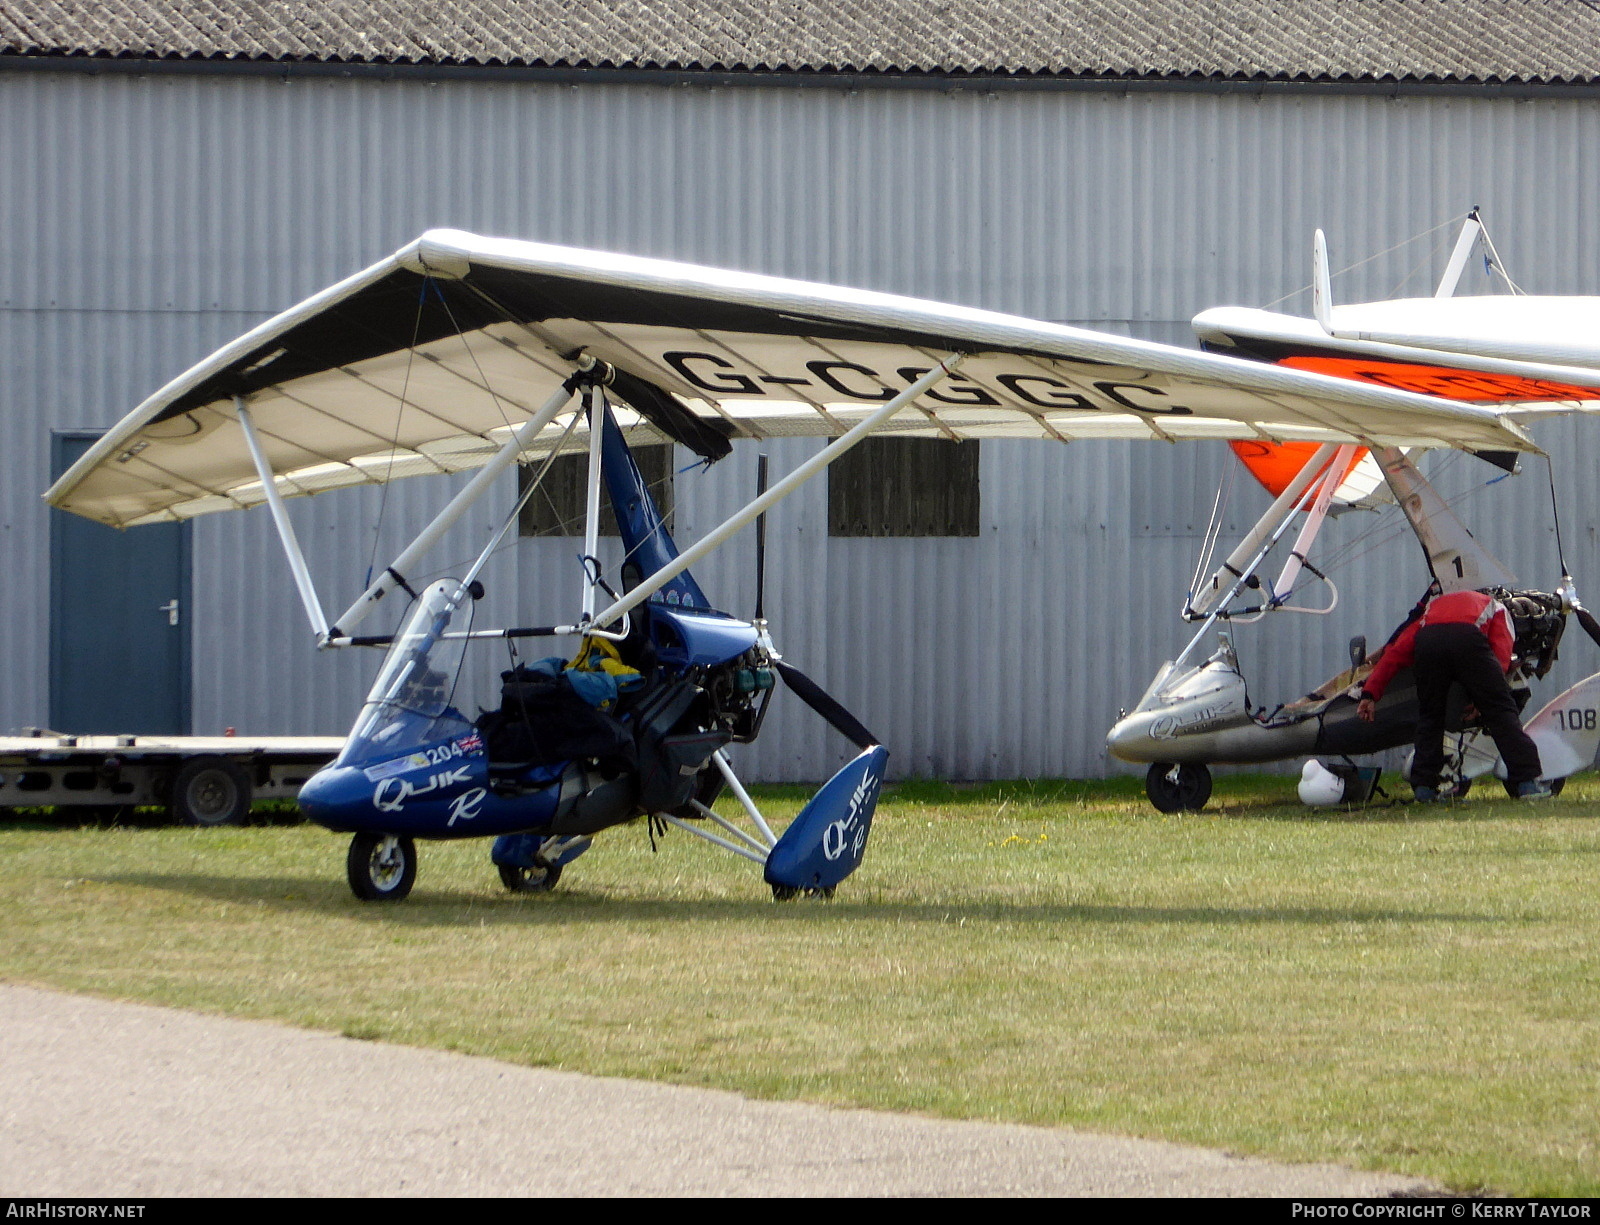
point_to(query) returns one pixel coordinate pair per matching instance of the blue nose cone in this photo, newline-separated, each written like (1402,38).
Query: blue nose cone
(336,796)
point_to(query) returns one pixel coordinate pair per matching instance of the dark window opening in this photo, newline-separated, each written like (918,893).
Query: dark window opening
(556,507)
(905,487)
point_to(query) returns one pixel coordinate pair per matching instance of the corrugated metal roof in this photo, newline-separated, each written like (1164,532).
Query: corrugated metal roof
(1453,40)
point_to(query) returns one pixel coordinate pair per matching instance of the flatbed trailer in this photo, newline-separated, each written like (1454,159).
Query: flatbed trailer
(200,780)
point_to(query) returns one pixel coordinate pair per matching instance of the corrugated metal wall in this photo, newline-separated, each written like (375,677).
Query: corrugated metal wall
(145,220)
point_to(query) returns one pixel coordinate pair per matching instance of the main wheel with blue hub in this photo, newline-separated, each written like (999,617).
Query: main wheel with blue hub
(519,879)
(381,867)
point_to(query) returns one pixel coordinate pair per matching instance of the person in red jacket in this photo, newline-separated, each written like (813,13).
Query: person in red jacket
(1465,637)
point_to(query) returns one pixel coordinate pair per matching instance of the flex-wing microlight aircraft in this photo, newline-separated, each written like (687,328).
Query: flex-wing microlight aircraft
(461,352)
(1534,357)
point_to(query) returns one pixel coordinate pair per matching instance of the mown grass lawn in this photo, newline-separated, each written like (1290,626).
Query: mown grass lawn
(1412,989)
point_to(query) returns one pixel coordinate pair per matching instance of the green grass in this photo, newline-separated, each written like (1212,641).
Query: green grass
(1412,989)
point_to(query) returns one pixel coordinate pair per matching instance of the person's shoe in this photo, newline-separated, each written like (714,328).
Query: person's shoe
(1425,795)
(1538,789)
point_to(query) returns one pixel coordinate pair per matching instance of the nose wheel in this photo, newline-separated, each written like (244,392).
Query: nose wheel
(381,867)
(1178,787)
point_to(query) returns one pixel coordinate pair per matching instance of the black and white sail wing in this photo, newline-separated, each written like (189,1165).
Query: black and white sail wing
(427,361)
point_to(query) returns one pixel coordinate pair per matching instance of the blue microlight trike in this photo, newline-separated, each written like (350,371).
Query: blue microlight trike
(634,726)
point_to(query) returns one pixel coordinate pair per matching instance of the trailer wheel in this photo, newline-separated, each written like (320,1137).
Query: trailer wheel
(381,867)
(1178,788)
(210,791)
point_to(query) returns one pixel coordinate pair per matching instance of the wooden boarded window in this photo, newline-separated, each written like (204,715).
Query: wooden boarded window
(905,487)
(556,507)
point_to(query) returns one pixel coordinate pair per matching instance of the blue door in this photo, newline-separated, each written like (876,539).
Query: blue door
(119,619)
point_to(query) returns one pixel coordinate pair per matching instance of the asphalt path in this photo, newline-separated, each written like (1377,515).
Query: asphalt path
(108,1100)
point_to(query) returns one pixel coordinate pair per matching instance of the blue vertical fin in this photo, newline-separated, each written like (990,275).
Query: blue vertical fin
(647,544)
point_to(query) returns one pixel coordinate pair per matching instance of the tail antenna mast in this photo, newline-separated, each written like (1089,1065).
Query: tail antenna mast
(1471,230)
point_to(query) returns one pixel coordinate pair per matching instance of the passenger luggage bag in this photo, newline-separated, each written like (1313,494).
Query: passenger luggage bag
(543,719)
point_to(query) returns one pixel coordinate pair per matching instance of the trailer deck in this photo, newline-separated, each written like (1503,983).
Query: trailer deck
(201,780)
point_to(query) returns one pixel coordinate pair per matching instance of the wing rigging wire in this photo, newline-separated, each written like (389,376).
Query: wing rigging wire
(483,379)
(399,413)
(1306,288)
(1555,514)
(1428,257)
(1391,529)
(561,526)
(1370,540)
(536,482)
(654,488)
(1491,261)
(1390,525)
(1208,547)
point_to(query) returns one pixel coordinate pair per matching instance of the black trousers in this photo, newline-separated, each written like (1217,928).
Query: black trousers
(1447,654)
